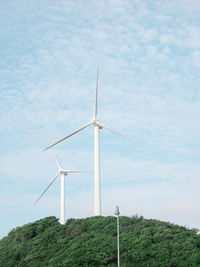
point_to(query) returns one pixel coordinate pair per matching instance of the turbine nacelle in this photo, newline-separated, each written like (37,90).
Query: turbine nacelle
(96,123)
(63,172)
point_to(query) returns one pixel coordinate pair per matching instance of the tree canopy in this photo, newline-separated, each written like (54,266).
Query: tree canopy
(92,242)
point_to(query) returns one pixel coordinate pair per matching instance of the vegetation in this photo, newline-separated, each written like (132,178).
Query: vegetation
(92,242)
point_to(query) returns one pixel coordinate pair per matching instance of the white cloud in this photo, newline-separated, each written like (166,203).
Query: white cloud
(148,56)
(196,58)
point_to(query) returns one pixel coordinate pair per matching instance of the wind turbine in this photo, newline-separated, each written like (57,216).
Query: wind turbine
(97,126)
(63,173)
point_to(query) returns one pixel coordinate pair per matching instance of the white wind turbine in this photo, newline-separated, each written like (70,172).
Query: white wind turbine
(63,173)
(97,126)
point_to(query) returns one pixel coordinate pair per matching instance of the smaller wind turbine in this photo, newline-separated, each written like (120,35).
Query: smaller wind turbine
(63,173)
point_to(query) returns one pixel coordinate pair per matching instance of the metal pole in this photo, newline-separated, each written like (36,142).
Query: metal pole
(118,252)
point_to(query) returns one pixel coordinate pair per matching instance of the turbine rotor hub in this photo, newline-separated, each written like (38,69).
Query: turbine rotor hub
(96,123)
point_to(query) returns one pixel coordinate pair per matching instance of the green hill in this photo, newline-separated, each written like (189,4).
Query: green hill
(92,242)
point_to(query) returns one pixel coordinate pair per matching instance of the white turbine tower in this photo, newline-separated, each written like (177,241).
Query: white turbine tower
(63,173)
(97,126)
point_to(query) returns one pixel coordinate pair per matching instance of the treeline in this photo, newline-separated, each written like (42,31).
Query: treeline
(92,242)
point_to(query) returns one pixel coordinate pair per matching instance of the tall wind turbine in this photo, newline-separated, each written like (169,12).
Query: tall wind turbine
(97,126)
(63,173)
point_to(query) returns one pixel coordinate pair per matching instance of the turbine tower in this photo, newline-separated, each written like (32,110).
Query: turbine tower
(97,126)
(63,173)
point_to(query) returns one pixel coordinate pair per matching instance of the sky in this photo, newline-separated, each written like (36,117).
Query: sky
(148,55)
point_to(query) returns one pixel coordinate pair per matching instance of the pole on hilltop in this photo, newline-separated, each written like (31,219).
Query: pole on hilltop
(118,252)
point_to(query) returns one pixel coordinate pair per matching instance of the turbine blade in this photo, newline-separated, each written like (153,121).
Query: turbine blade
(96,98)
(57,160)
(104,126)
(86,125)
(75,171)
(47,188)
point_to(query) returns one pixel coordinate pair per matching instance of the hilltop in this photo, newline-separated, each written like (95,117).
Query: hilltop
(92,242)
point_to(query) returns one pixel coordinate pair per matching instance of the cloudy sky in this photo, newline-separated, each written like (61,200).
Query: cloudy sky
(148,54)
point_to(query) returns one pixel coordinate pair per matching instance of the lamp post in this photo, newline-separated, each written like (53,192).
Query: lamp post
(118,254)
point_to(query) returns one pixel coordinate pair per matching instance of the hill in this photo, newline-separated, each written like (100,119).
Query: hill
(92,242)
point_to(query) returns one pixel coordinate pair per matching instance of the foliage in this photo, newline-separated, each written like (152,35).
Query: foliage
(92,242)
